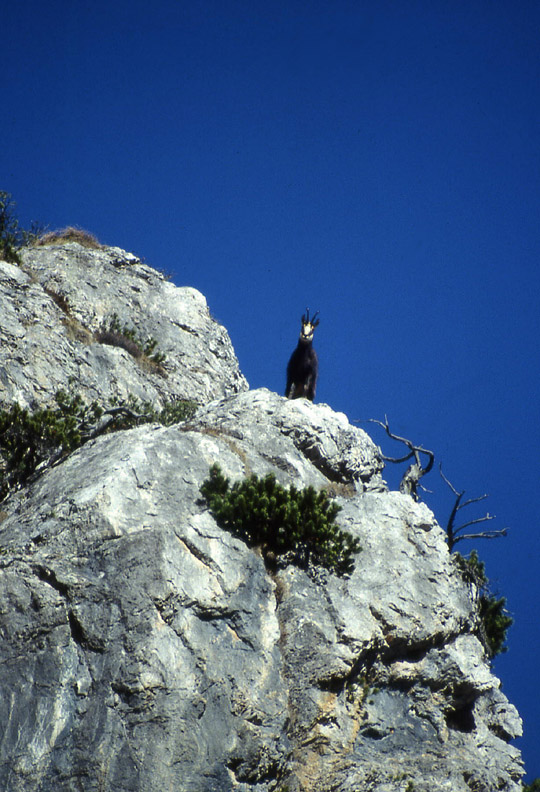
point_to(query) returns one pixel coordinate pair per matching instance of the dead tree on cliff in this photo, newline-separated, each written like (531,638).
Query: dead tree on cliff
(411,478)
(452,532)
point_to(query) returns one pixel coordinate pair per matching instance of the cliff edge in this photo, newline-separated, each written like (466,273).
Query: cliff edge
(145,648)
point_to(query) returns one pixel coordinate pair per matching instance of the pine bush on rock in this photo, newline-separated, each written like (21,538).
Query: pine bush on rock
(33,439)
(28,438)
(492,609)
(12,236)
(299,524)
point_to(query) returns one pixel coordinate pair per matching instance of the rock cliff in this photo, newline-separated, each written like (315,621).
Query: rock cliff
(54,307)
(144,648)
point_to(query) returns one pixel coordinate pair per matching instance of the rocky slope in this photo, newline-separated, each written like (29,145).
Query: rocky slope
(144,648)
(53,308)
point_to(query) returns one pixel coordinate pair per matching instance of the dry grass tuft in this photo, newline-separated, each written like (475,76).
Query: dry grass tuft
(69,234)
(114,338)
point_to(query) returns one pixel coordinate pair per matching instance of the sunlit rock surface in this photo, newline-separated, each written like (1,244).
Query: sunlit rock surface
(144,648)
(52,307)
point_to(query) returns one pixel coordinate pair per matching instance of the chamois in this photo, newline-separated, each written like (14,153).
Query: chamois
(303,365)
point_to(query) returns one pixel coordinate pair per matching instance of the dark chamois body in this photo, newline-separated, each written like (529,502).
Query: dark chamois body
(303,366)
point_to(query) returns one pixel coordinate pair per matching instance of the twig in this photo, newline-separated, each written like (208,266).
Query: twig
(452,533)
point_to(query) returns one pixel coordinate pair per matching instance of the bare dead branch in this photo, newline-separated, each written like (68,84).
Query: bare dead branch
(454,490)
(411,478)
(475,522)
(474,500)
(394,459)
(455,535)
(108,418)
(483,535)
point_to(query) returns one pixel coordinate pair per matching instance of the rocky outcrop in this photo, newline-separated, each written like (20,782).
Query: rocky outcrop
(54,306)
(143,647)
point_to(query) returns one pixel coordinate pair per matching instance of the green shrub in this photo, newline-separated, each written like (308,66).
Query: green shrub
(9,229)
(116,334)
(12,236)
(492,610)
(134,412)
(297,524)
(29,439)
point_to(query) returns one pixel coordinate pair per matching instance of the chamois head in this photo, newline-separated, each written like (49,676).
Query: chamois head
(308,326)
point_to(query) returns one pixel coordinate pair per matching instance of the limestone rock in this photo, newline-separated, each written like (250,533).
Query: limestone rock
(52,307)
(342,453)
(143,647)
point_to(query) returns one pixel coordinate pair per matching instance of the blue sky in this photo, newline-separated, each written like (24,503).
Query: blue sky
(378,161)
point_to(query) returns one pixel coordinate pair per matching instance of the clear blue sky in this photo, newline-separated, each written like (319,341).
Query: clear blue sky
(378,161)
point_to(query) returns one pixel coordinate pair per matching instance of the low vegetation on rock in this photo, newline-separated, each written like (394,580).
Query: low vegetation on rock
(494,617)
(12,236)
(126,337)
(298,525)
(30,439)
(68,234)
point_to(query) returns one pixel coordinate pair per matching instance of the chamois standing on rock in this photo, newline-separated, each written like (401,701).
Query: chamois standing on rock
(303,366)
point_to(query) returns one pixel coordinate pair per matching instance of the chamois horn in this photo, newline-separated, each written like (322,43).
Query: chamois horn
(307,320)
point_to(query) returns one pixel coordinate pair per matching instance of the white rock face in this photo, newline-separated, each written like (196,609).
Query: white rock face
(52,307)
(143,648)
